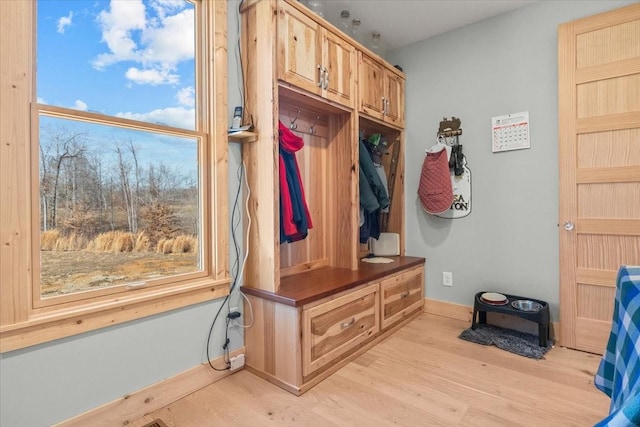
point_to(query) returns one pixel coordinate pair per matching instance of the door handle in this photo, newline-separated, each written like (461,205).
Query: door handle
(569,226)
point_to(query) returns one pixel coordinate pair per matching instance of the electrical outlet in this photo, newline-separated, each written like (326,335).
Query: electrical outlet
(447,278)
(236,362)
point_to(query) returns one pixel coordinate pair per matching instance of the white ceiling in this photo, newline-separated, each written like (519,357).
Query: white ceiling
(403,22)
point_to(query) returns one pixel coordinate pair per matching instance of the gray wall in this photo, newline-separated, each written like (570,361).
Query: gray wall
(49,383)
(506,64)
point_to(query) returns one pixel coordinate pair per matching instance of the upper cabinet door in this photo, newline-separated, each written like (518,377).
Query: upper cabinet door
(339,62)
(299,50)
(314,59)
(381,91)
(371,87)
(394,111)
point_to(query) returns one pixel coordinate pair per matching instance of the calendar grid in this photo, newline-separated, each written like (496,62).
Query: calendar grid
(510,132)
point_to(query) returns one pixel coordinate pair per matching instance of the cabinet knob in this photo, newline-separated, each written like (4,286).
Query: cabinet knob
(348,324)
(320,76)
(404,294)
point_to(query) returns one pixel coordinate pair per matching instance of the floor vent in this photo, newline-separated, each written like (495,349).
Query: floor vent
(156,423)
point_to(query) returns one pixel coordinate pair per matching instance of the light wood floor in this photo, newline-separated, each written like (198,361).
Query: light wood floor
(421,376)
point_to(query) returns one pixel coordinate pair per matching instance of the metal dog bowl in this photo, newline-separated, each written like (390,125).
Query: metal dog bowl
(526,305)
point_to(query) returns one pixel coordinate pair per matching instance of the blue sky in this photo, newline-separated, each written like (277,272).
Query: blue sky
(127,58)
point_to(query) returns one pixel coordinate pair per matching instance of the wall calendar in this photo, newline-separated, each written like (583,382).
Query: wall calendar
(510,132)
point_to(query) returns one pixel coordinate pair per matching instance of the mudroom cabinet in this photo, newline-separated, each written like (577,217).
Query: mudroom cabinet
(381,89)
(315,59)
(316,305)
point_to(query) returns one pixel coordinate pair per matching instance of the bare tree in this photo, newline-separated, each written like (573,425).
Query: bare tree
(130,191)
(44,184)
(161,182)
(53,155)
(136,196)
(111,204)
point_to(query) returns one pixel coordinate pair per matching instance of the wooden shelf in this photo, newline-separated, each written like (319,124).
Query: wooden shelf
(242,136)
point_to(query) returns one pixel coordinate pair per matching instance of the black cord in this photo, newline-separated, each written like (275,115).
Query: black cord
(235,268)
(226,345)
(209,337)
(235,271)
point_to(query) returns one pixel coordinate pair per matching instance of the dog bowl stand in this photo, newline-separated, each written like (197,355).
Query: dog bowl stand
(541,317)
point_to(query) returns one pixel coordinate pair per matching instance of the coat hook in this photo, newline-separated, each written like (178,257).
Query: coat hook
(312,128)
(293,125)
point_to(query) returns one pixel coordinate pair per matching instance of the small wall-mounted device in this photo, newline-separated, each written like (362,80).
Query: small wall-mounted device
(237,118)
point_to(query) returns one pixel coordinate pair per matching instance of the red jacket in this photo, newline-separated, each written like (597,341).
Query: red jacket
(295,220)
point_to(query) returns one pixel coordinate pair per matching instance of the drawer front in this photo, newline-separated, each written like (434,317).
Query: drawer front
(335,327)
(401,295)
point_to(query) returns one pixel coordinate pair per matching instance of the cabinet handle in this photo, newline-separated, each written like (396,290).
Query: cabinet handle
(320,76)
(326,79)
(385,106)
(404,294)
(348,324)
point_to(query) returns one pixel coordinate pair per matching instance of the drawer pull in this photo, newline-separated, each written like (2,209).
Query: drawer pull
(404,294)
(349,324)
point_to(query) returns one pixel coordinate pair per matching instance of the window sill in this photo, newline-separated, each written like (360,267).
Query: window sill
(41,328)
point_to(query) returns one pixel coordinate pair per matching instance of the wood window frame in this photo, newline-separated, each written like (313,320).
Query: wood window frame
(22,324)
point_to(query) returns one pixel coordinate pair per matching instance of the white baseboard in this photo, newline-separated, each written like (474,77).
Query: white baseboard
(135,405)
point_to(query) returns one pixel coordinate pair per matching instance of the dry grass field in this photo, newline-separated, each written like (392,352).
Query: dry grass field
(74,271)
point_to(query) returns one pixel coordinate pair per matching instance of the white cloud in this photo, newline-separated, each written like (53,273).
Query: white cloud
(64,22)
(186,96)
(174,116)
(80,105)
(41,101)
(151,77)
(172,41)
(163,6)
(117,26)
(157,44)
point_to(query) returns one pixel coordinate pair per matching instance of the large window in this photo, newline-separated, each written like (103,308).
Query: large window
(116,144)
